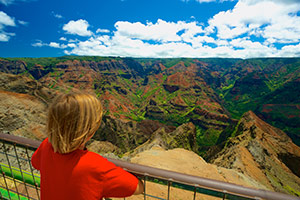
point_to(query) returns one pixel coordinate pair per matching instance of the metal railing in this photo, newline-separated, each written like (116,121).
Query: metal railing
(20,181)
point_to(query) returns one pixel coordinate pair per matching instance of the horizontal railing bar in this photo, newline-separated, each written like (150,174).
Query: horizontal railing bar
(138,169)
(155,197)
(13,156)
(29,143)
(201,182)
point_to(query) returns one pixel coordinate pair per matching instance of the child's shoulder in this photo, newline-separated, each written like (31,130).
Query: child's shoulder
(95,157)
(95,160)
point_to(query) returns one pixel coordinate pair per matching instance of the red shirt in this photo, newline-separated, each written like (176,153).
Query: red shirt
(80,175)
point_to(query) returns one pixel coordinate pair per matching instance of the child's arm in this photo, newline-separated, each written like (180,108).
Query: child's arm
(118,182)
(139,188)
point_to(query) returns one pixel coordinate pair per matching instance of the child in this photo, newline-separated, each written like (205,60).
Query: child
(68,170)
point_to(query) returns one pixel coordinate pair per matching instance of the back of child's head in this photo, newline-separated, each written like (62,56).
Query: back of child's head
(73,119)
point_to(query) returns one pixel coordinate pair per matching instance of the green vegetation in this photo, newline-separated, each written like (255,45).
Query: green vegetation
(291,190)
(18,174)
(167,62)
(150,92)
(207,137)
(11,195)
(135,116)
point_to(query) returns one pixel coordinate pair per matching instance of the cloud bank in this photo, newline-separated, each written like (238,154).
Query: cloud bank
(247,30)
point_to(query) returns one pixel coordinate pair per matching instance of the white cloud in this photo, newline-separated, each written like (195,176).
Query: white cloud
(23,22)
(161,31)
(63,39)
(71,45)
(200,40)
(5,20)
(40,43)
(9,2)
(173,39)
(58,16)
(99,30)
(247,48)
(4,37)
(78,27)
(290,51)
(54,44)
(271,19)
(127,47)
(160,39)
(73,41)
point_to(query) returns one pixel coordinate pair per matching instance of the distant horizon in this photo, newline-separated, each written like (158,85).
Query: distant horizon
(153,57)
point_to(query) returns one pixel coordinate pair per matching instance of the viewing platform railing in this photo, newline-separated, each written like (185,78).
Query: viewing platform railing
(20,181)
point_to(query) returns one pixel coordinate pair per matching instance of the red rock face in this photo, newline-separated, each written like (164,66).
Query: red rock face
(77,74)
(159,77)
(115,106)
(162,67)
(179,101)
(177,68)
(179,79)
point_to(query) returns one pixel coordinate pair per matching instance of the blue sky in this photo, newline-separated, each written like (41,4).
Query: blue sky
(150,28)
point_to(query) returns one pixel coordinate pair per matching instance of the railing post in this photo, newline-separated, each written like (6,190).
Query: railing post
(11,171)
(145,180)
(224,194)
(19,164)
(169,187)
(195,192)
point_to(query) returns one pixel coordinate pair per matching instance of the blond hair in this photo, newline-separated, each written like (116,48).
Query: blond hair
(72,120)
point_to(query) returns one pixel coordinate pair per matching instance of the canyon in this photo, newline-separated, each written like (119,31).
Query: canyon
(230,119)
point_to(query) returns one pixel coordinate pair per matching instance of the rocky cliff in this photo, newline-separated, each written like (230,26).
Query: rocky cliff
(257,155)
(183,161)
(22,115)
(12,67)
(23,106)
(264,153)
(183,136)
